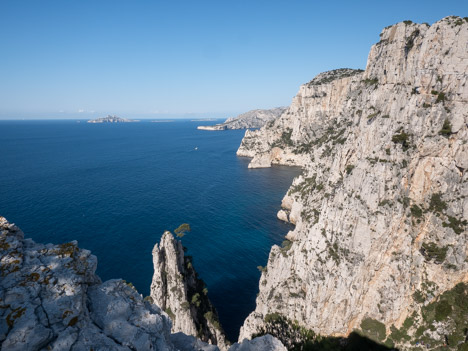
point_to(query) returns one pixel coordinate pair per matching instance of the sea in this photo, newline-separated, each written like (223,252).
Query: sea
(115,188)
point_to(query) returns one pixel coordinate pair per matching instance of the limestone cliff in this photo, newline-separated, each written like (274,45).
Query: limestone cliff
(178,290)
(250,119)
(381,209)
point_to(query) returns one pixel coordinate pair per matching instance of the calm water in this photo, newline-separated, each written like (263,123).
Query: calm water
(116,187)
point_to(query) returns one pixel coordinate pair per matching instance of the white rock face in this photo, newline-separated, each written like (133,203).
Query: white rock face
(262,343)
(52,300)
(250,119)
(381,207)
(176,288)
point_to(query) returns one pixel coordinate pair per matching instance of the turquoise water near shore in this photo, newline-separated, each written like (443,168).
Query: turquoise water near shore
(117,187)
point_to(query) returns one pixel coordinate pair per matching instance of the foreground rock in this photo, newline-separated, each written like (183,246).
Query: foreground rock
(184,342)
(250,119)
(112,119)
(178,290)
(51,299)
(381,210)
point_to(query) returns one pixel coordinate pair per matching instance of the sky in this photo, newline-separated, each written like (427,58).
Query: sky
(159,59)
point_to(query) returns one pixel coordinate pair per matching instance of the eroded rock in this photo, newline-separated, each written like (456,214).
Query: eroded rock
(178,290)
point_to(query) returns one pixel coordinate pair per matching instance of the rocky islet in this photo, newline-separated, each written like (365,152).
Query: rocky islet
(112,119)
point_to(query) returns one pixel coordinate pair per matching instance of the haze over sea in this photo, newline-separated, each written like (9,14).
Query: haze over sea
(117,187)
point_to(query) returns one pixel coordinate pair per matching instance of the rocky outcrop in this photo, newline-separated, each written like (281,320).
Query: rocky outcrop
(51,299)
(262,343)
(381,208)
(178,290)
(184,342)
(250,119)
(112,119)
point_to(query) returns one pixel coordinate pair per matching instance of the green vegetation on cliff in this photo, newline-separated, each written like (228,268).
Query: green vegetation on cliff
(439,325)
(298,338)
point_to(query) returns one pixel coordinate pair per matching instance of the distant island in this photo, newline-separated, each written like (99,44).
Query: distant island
(112,119)
(250,119)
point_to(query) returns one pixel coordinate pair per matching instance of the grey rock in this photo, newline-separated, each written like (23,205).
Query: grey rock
(51,299)
(262,343)
(178,290)
(184,342)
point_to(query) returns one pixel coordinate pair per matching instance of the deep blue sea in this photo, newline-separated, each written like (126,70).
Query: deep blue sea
(117,187)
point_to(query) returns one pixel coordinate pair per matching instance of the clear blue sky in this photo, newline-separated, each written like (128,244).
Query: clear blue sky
(169,58)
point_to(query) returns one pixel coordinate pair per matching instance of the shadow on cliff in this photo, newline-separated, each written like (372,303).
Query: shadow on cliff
(354,342)
(298,338)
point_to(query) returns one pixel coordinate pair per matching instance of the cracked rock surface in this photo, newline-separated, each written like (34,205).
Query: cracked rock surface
(51,299)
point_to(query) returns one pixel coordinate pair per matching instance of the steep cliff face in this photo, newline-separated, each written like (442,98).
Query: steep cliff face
(51,299)
(381,209)
(178,290)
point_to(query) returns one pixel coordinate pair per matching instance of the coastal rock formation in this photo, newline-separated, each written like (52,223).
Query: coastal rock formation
(250,119)
(112,119)
(51,299)
(177,289)
(381,209)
